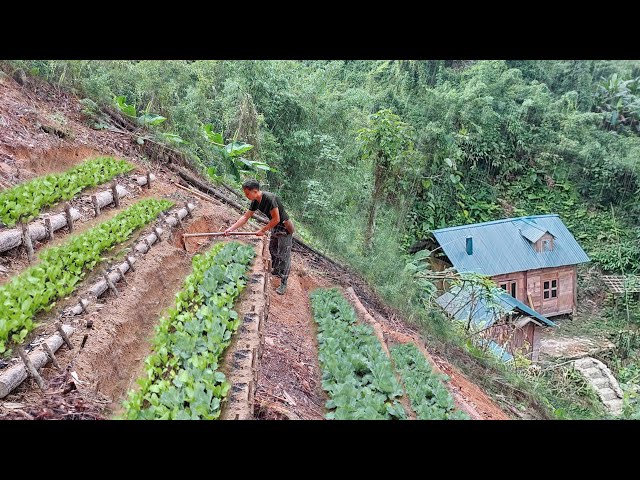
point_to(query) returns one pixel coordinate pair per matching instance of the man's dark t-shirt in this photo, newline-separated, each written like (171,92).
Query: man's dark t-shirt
(269,202)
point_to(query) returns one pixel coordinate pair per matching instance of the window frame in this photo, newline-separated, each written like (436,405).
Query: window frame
(510,286)
(550,289)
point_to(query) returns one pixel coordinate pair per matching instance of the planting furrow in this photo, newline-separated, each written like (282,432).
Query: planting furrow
(118,271)
(357,374)
(182,380)
(62,268)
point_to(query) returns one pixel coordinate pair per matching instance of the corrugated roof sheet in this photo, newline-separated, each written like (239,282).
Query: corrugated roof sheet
(532,234)
(499,247)
(462,304)
(515,303)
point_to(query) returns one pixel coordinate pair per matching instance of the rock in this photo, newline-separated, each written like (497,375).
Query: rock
(571,347)
(600,382)
(584,363)
(592,372)
(20,76)
(615,406)
(607,394)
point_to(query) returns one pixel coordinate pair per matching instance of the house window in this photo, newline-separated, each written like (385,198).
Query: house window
(510,286)
(550,289)
(544,244)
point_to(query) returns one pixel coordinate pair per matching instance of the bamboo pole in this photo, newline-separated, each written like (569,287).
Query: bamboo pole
(64,336)
(67,211)
(30,368)
(14,376)
(51,355)
(26,240)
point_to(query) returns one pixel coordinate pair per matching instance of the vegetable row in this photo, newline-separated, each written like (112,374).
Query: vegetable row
(182,380)
(26,200)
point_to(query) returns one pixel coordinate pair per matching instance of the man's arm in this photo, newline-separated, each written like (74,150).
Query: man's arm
(241,221)
(275,219)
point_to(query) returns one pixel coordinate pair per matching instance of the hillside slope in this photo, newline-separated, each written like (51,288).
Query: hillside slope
(42,132)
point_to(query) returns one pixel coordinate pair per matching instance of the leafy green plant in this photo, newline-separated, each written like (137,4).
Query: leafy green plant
(27,199)
(429,397)
(120,102)
(61,268)
(356,372)
(182,381)
(230,154)
(145,119)
(627,342)
(619,101)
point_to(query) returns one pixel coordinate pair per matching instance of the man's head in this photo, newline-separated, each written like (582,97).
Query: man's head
(251,189)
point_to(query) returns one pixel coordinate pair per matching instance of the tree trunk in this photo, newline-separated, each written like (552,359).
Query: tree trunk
(37,231)
(375,197)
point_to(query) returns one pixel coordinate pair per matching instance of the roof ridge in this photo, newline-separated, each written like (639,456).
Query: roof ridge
(493,222)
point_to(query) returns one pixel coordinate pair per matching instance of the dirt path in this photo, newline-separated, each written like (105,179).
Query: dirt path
(289,378)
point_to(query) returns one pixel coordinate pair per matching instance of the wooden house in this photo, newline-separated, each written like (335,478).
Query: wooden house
(533,258)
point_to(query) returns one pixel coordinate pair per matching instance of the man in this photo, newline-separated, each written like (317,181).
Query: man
(282,237)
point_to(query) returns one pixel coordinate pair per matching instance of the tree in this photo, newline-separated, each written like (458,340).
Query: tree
(387,143)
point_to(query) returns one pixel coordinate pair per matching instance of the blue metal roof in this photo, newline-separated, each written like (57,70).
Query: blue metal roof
(517,304)
(497,350)
(501,247)
(462,304)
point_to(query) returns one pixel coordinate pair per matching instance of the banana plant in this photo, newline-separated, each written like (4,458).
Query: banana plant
(231,154)
(146,119)
(619,102)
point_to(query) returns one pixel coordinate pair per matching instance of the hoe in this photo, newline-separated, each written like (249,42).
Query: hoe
(211,234)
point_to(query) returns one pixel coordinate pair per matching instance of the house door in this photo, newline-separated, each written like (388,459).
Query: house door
(550,292)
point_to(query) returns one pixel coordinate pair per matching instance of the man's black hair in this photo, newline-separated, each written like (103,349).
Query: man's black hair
(251,184)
